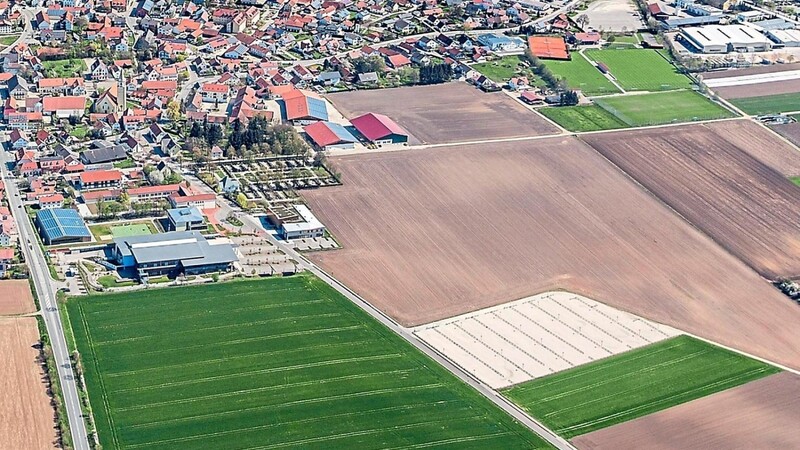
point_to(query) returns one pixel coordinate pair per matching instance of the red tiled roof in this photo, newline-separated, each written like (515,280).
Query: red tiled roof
(97,176)
(215,87)
(52,104)
(55,198)
(376,126)
(296,104)
(154,189)
(550,47)
(321,134)
(6,253)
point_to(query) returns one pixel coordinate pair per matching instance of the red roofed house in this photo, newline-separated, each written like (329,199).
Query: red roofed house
(97,179)
(51,201)
(215,92)
(202,201)
(63,107)
(380,129)
(6,259)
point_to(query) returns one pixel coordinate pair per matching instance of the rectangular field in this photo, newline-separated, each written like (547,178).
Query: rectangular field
(769,104)
(28,418)
(537,336)
(747,207)
(641,69)
(283,363)
(503,69)
(15,297)
(662,107)
(583,118)
(634,384)
(754,416)
(582,75)
(432,234)
(138,229)
(761,143)
(446,113)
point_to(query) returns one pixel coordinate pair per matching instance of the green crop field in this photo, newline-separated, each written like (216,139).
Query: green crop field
(581,74)
(641,69)
(769,104)
(582,118)
(634,384)
(662,107)
(135,229)
(281,363)
(64,68)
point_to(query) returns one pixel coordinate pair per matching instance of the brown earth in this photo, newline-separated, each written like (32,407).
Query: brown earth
(431,234)
(762,144)
(446,113)
(762,414)
(759,89)
(15,297)
(750,71)
(747,207)
(790,131)
(27,419)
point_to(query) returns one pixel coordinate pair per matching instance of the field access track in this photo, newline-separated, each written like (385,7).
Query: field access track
(268,364)
(537,336)
(634,384)
(750,209)
(428,235)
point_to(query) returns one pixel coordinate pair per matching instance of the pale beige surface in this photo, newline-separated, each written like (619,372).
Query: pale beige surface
(15,297)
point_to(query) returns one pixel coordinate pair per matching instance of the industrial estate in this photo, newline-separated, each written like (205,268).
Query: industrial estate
(400,224)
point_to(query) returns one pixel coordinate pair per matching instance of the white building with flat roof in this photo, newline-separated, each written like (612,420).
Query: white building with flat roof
(296,222)
(787,38)
(725,39)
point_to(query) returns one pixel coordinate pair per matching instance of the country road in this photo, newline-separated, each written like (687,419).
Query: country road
(40,274)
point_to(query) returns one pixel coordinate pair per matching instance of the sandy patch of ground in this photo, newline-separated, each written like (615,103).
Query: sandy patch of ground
(15,297)
(613,15)
(537,336)
(762,414)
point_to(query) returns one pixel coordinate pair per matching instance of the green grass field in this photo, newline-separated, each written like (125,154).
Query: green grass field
(795,180)
(581,74)
(134,229)
(280,363)
(662,107)
(641,69)
(503,69)
(770,104)
(64,68)
(582,118)
(634,384)
(8,40)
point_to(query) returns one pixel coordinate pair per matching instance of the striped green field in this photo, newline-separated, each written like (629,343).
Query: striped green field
(641,69)
(583,118)
(268,364)
(768,104)
(659,108)
(582,75)
(634,384)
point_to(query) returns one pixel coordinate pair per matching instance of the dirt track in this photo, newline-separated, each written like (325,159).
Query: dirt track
(432,234)
(744,205)
(26,416)
(446,113)
(15,297)
(762,414)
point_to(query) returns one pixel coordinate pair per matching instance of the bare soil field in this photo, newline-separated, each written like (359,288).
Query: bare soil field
(762,144)
(757,70)
(446,113)
(750,209)
(759,89)
(428,235)
(759,414)
(15,297)
(790,131)
(26,417)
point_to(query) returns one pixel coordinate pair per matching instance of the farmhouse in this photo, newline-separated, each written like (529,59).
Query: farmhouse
(329,135)
(725,39)
(548,47)
(51,201)
(380,129)
(172,253)
(296,222)
(186,219)
(60,226)
(302,109)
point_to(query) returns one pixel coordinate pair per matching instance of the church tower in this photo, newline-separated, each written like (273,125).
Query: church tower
(122,92)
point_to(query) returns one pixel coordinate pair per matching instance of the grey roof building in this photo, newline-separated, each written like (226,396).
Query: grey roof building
(104,154)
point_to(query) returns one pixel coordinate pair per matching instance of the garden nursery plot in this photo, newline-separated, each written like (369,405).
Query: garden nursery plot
(633,384)
(284,363)
(641,70)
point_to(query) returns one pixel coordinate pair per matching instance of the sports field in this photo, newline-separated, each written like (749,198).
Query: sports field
(641,69)
(583,118)
(282,363)
(634,384)
(134,229)
(662,107)
(769,104)
(582,75)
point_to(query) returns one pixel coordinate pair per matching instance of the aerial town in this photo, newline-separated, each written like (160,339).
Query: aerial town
(400,224)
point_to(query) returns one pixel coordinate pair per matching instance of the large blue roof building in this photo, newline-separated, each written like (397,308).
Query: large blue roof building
(60,226)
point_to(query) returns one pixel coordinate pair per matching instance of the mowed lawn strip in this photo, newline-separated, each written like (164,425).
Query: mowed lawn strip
(662,107)
(583,118)
(581,74)
(634,384)
(282,363)
(641,69)
(769,104)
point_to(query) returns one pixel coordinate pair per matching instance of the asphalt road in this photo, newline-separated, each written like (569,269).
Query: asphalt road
(407,334)
(47,299)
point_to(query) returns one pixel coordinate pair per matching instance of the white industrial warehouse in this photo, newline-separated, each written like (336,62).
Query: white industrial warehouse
(725,39)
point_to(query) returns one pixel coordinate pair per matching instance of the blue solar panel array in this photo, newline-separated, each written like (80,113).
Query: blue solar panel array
(317,109)
(57,224)
(341,132)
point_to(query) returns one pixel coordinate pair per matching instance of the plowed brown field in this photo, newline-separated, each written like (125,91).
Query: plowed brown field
(746,206)
(446,113)
(26,416)
(432,234)
(761,143)
(762,414)
(15,297)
